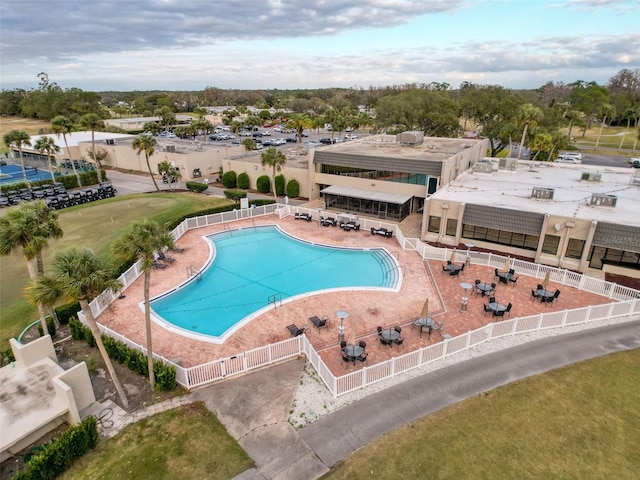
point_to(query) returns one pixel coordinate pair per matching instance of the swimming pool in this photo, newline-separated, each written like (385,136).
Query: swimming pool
(250,268)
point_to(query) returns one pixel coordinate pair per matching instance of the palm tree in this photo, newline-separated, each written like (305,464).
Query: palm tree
(275,159)
(46,144)
(299,122)
(61,125)
(167,170)
(607,111)
(18,138)
(529,116)
(79,275)
(93,122)
(146,143)
(142,242)
(29,227)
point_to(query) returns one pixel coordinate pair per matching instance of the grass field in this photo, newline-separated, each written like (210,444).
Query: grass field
(95,225)
(578,422)
(185,443)
(611,137)
(29,125)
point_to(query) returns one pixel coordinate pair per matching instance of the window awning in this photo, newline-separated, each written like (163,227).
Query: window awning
(395,198)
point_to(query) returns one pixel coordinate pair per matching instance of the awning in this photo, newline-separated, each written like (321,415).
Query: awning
(386,197)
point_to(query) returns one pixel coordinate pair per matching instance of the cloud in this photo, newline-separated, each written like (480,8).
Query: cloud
(65,28)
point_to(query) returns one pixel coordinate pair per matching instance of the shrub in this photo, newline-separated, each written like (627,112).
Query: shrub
(229,179)
(279,181)
(235,195)
(244,181)
(260,202)
(51,326)
(59,454)
(207,211)
(293,188)
(69,181)
(263,184)
(65,312)
(134,360)
(197,187)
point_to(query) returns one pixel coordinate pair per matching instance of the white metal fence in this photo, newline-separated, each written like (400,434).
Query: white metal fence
(626,304)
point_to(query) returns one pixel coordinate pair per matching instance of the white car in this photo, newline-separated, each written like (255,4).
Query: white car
(573,160)
(350,136)
(577,155)
(266,133)
(278,141)
(245,133)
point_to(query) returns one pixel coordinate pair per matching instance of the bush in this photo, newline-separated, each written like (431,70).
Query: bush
(263,184)
(197,187)
(51,326)
(244,181)
(260,202)
(65,312)
(206,211)
(69,181)
(134,360)
(293,188)
(59,454)
(235,195)
(229,179)
(279,181)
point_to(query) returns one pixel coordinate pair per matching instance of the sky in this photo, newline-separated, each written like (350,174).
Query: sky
(99,45)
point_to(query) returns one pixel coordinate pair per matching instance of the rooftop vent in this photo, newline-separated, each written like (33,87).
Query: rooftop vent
(603,200)
(171,148)
(110,141)
(542,193)
(591,177)
(410,138)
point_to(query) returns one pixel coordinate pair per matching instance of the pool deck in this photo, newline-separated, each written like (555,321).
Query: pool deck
(367,309)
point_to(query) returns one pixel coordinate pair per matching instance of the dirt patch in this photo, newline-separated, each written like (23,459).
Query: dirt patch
(71,352)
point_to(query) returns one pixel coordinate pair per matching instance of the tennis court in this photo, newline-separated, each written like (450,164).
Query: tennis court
(13,174)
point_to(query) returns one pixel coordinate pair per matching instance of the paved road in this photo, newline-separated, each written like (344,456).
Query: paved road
(337,435)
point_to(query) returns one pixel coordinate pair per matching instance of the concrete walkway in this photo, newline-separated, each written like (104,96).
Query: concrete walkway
(255,407)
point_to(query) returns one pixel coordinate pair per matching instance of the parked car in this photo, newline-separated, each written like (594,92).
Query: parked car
(257,134)
(573,160)
(291,140)
(266,133)
(278,141)
(267,143)
(327,141)
(634,162)
(245,133)
(577,155)
(350,136)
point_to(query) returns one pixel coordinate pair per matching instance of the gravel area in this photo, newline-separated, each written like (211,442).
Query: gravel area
(314,400)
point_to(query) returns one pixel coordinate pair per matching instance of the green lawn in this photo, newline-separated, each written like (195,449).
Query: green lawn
(94,225)
(184,443)
(611,137)
(578,422)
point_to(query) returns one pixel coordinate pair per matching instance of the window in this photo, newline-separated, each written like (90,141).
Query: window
(550,244)
(452,226)
(504,237)
(575,248)
(434,224)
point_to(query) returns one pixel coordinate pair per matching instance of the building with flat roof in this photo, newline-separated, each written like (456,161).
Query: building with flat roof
(571,216)
(137,123)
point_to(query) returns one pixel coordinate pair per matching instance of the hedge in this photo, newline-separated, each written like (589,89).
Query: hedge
(279,185)
(208,211)
(229,179)
(263,184)
(235,195)
(134,360)
(58,455)
(197,187)
(51,326)
(66,312)
(244,181)
(293,188)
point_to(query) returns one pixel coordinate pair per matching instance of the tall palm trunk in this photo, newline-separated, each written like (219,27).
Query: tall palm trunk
(33,274)
(146,156)
(524,135)
(53,177)
(24,170)
(73,165)
(275,196)
(600,131)
(147,324)
(93,326)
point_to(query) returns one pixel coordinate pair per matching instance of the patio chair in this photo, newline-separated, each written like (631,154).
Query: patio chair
(363,357)
(534,295)
(398,328)
(504,280)
(177,249)
(384,341)
(362,344)
(492,299)
(295,331)
(509,306)
(555,295)
(165,258)
(437,327)
(496,273)
(486,309)
(399,341)
(343,344)
(514,280)
(539,287)
(499,313)
(512,271)
(445,269)
(378,329)
(157,265)
(320,322)
(455,273)
(477,281)
(346,359)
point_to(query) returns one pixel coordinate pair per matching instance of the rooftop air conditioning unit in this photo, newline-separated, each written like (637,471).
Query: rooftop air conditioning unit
(542,193)
(591,177)
(482,167)
(507,164)
(603,200)
(410,138)
(171,148)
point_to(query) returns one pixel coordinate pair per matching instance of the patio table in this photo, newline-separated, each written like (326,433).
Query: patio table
(353,351)
(390,335)
(427,322)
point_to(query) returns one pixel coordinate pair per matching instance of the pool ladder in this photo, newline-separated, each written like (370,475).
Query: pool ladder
(276,299)
(194,272)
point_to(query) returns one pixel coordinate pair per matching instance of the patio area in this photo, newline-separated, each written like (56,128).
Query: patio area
(367,309)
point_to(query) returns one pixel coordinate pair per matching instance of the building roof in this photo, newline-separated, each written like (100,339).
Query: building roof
(74,138)
(432,148)
(395,198)
(512,189)
(126,121)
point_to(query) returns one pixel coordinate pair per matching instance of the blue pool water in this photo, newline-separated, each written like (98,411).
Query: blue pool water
(13,174)
(253,265)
